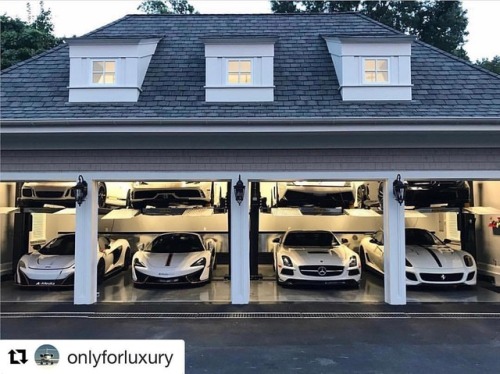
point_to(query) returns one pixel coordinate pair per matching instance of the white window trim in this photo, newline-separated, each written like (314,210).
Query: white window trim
(368,83)
(91,75)
(239,59)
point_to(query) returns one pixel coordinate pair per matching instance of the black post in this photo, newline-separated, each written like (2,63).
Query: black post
(228,204)
(254,230)
(21,240)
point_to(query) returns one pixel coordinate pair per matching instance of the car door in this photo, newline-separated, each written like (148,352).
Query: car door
(112,254)
(377,253)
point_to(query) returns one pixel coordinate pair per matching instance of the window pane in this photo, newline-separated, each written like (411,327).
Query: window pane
(109,78)
(97,66)
(245,66)
(233,66)
(382,65)
(370,76)
(382,77)
(232,78)
(110,66)
(369,65)
(97,78)
(245,78)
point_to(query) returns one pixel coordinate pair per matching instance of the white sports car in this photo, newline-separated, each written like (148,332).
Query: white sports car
(314,257)
(428,259)
(37,194)
(54,263)
(174,258)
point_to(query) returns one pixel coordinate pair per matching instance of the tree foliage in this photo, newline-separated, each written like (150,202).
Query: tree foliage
(21,40)
(442,24)
(167,7)
(492,65)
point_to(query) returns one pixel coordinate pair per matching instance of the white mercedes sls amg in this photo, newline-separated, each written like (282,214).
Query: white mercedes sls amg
(54,263)
(428,259)
(174,258)
(314,257)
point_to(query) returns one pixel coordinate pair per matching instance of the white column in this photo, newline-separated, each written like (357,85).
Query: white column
(240,247)
(394,248)
(86,248)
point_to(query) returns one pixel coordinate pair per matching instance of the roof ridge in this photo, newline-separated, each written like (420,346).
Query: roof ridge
(239,14)
(448,54)
(33,58)
(107,25)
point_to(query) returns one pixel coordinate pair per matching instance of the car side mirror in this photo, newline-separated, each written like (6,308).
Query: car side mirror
(37,247)
(447,241)
(373,241)
(344,241)
(276,240)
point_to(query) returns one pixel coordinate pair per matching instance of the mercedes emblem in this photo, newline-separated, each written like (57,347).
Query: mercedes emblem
(321,271)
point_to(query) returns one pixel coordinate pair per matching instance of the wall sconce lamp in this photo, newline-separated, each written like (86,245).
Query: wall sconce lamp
(399,188)
(80,190)
(239,191)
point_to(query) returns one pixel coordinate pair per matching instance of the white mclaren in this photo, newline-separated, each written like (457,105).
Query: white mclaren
(54,263)
(314,257)
(174,258)
(428,259)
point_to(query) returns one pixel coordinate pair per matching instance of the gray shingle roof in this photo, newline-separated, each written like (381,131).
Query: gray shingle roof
(306,84)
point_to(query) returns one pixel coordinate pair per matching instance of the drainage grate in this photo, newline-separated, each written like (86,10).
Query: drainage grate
(248,315)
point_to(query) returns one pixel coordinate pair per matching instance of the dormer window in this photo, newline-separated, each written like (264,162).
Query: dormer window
(239,71)
(376,70)
(103,72)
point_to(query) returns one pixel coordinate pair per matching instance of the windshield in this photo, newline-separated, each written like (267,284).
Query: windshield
(176,243)
(62,246)
(310,239)
(420,237)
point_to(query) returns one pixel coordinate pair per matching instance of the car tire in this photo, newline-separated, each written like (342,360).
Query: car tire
(362,196)
(100,272)
(101,195)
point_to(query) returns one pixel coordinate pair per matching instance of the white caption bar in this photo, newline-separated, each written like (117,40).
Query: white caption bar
(92,356)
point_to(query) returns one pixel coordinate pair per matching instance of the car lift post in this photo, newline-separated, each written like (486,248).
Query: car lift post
(21,241)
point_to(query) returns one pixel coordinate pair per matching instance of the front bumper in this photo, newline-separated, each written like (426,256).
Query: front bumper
(45,278)
(143,276)
(415,277)
(309,276)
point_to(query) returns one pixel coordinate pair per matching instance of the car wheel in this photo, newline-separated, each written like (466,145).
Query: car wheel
(127,261)
(101,195)
(100,272)
(362,196)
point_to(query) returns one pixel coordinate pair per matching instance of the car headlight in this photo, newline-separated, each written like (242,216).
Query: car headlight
(200,262)
(353,261)
(22,264)
(138,263)
(287,261)
(469,261)
(408,263)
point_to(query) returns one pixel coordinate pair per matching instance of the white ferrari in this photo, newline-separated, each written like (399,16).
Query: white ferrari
(54,263)
(174,258)
(428,259)
(314,257)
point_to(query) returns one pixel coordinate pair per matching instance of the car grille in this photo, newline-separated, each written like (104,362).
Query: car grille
(145,194)
(321,270)
(190,278)
(50,194)
(452,277)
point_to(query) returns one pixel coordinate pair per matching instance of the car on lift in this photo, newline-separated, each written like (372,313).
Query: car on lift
(424,193)
(428,259)
(174,258)
(170,194)
(53,264)
(38,194)
(319,194)
(314,257)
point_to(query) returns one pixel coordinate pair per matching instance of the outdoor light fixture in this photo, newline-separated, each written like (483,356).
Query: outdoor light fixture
(239,191)
(398,187)
(80,190)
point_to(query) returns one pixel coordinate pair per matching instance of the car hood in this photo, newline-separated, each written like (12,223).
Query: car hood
(316,255)
(48,262)
(170,260)
(434,256)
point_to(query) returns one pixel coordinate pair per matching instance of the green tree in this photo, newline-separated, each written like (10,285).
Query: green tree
(167,7)
(492,65)
(442,24)
(21,40)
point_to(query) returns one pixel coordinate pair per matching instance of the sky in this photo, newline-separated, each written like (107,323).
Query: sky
(77,17)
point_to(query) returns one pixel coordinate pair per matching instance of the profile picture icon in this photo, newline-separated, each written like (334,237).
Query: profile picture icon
(46,355)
